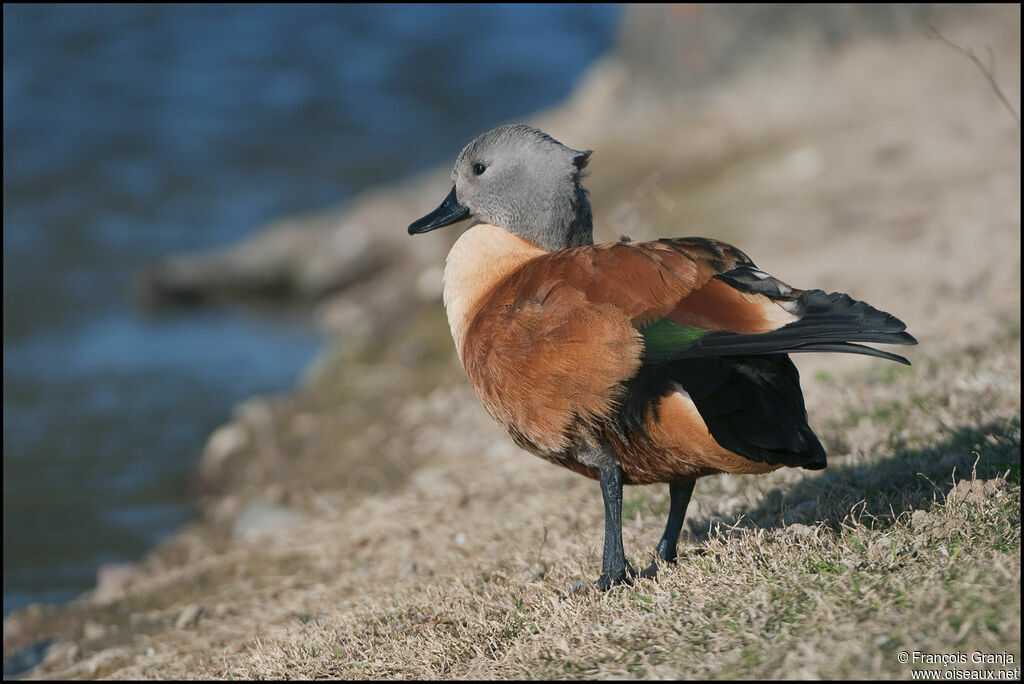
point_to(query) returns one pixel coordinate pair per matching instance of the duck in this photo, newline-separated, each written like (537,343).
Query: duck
(631,363)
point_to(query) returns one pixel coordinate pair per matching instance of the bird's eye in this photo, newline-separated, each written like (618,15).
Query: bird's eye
(479,168)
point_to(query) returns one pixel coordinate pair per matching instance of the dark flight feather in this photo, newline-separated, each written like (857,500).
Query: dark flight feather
(829,322)
(744,386)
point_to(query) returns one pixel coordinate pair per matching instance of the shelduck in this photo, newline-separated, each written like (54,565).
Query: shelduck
(628,362)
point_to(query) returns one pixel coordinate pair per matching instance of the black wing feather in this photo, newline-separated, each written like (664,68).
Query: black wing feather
(745,386)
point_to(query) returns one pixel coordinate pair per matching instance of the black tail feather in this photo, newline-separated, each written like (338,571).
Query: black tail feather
(851,348)
(830,322)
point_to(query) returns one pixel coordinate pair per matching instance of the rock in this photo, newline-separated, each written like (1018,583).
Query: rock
(306,257)
(303,257)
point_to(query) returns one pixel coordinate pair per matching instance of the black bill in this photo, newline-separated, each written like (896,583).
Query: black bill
(449,212)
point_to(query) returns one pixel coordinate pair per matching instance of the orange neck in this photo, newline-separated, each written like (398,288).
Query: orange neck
(480,259)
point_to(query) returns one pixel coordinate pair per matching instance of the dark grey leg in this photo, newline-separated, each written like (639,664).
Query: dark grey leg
(615,569)
(666,549)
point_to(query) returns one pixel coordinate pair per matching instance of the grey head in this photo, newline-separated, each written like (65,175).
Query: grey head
(523,180)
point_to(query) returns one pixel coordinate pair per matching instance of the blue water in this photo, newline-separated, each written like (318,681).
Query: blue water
(134,132)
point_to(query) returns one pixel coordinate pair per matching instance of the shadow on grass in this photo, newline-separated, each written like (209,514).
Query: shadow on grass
(877,493)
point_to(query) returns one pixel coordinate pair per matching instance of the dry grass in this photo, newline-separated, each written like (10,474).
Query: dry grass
(894,556)
(481,565)
(451,554)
